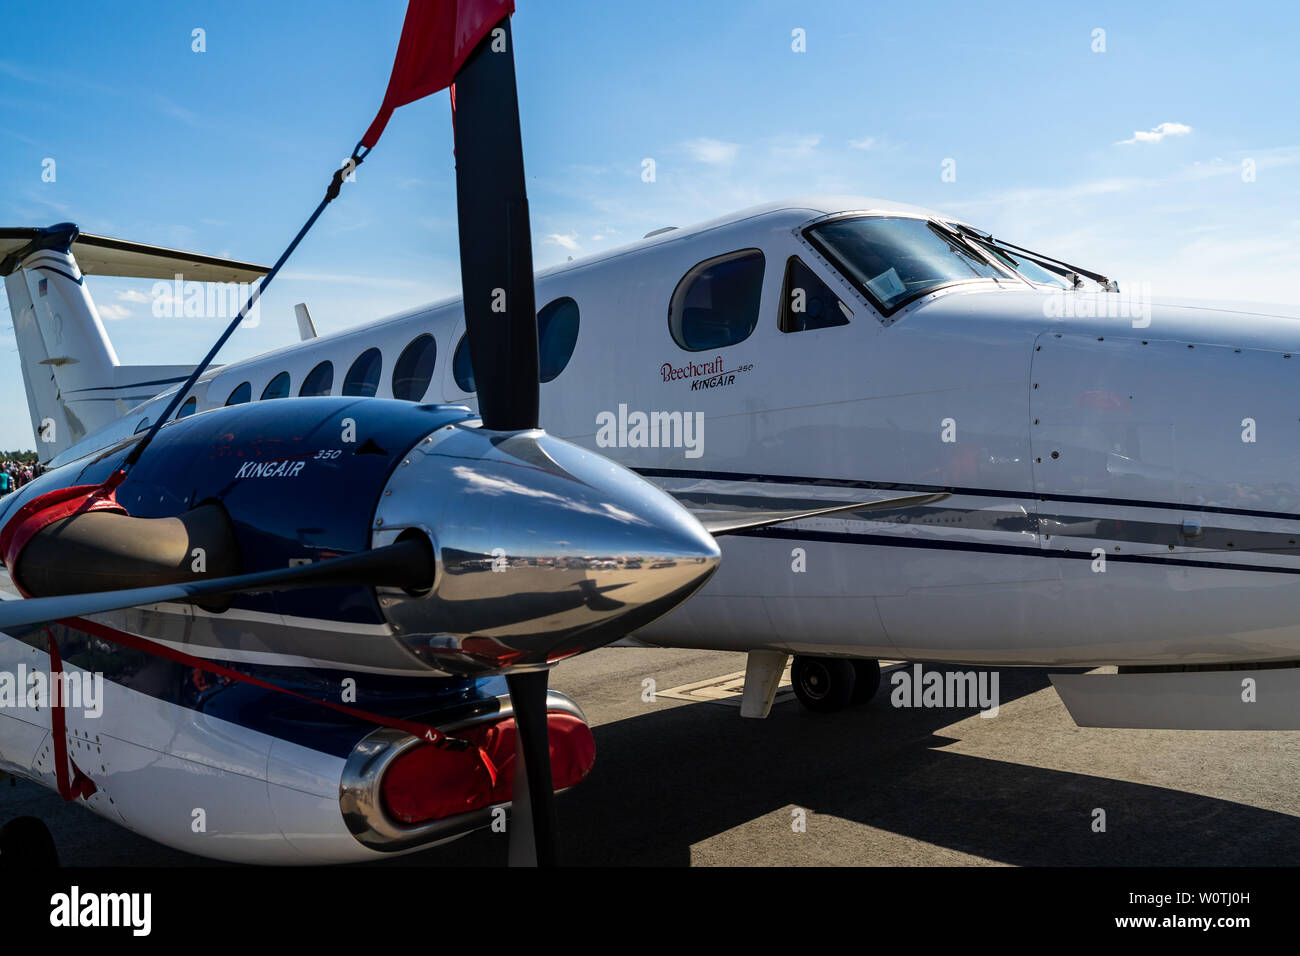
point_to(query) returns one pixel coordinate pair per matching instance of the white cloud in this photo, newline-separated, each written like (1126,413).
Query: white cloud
(110,311)
(798,147)
(568,240)
(1274,158)
(711,151)
(132,295)
(865,144)
(1157,134)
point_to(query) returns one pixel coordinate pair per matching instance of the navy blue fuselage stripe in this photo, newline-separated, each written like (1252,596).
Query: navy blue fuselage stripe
(113,388)
(974,492)
(895,541)
(59,272)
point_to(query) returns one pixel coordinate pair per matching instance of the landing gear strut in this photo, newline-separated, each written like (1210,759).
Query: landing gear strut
(25,843)
(828,684)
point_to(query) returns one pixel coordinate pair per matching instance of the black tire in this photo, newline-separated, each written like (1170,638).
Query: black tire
(25,842)
(866,680)
(823,684)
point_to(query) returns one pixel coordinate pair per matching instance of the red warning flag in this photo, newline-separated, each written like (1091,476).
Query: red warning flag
(437,37)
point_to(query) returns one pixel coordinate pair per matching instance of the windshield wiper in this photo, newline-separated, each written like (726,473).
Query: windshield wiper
(1058,266)
(953,237)
(961,244)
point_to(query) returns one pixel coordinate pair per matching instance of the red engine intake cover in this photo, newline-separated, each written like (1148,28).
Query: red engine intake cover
(429,783)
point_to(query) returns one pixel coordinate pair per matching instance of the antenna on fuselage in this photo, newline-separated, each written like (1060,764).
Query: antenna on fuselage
(306,328)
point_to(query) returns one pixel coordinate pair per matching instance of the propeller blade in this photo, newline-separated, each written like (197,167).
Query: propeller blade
(496,258)
(533,823)
(407,564)
(733,522)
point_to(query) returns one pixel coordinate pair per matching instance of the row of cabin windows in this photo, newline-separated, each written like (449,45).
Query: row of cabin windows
(557,334)
(716,304)
(411,377)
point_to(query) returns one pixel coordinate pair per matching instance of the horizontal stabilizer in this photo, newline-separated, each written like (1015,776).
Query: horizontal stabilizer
(1263,699)
(100,255)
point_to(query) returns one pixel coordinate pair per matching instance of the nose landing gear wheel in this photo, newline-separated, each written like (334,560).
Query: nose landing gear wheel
(823,684)
(26,842)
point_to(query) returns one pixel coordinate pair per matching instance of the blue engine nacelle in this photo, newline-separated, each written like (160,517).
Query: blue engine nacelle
(300,481)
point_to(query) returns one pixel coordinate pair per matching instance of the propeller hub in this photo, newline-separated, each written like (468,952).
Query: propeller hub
(543,549)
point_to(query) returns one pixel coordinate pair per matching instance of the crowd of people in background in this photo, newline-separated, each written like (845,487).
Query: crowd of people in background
(15,474)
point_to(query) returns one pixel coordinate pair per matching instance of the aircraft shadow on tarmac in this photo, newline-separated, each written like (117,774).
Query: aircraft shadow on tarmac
(680,775)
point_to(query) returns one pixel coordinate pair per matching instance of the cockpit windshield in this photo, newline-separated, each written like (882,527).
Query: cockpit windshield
(894,259)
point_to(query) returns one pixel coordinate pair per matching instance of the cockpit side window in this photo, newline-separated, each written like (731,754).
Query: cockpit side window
(807,302)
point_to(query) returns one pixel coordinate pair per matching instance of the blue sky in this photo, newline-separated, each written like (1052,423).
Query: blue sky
(227,151)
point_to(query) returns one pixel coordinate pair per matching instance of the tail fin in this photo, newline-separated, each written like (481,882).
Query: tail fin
(75,384)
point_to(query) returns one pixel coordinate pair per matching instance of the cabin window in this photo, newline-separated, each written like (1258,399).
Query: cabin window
(414,368)
(363,377)
(144,423)
(557,334)
(807,302)
(716,303)
(278,387)
(462,367)
(188,407)
(319,381)
(243,392)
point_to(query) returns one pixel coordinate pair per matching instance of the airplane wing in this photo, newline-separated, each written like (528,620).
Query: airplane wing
(733,522)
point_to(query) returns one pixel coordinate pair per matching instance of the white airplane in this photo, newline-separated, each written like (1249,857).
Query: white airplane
(321,630)
(927,444)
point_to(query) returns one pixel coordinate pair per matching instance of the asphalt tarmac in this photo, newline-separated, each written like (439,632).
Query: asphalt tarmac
(684,780)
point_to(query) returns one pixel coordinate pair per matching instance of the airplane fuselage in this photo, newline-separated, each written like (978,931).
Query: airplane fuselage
(1099,463)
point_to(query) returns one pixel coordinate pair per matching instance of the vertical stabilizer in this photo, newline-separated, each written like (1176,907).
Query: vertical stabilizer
(62,344)
(74,382)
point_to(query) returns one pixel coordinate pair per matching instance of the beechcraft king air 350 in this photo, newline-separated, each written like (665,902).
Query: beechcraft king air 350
(925,443)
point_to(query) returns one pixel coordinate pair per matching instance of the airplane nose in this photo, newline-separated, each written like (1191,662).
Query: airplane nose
(543,550)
